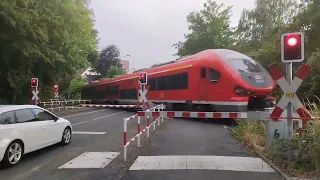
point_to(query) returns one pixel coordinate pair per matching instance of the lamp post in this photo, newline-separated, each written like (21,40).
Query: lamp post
(121,58)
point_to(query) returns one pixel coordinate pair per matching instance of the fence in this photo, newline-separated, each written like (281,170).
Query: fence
(55,104)
(139,131)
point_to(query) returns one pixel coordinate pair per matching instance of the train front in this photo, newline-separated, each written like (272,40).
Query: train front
(253,79)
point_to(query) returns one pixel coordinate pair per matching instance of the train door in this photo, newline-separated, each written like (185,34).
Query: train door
(203,84)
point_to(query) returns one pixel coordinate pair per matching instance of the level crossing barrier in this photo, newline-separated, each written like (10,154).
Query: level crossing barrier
(54,104)
(106,106)
(157,120)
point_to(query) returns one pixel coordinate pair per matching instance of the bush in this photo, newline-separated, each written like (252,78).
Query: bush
(306,148)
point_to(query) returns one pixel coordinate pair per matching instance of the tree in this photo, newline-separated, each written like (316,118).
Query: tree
(109,56)
(43,39)
(75,87)
(115,71)
(210,29)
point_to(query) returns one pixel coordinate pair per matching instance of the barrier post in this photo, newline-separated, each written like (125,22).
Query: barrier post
(148,128)
(300,127)
(139,131)
(162,110)
(158,109)
(125,139)
(154,123)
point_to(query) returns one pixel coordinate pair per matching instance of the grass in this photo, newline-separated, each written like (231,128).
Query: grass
(306,149)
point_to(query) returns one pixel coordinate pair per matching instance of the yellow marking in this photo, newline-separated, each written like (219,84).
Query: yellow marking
(178,68)
(290,95)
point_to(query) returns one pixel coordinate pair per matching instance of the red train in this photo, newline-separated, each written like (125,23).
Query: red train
(219,80)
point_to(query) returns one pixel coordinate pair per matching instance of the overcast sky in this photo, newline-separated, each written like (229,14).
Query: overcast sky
(147,29)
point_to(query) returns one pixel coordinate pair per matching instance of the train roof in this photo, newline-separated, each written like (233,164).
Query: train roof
(180,62)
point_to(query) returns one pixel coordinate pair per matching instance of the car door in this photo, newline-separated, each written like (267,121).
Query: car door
(52,127)
(30,129)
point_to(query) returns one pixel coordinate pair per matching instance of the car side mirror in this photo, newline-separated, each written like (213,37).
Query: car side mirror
(55,119)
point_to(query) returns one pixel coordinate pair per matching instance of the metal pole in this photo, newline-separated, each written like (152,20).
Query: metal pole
(289,112)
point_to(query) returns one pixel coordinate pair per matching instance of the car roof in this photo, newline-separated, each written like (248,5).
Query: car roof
(5,108)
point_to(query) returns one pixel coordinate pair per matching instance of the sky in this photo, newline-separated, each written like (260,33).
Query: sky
(146,29)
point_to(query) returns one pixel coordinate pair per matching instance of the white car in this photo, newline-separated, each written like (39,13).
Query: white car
(27,128)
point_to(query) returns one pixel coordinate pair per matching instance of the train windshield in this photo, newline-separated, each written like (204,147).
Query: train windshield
(246,65)
(240,62)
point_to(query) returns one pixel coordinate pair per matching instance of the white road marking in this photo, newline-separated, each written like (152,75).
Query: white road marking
(225,126)
(91,160)
(83,113)
(230,163)
(97,118)
(86,132)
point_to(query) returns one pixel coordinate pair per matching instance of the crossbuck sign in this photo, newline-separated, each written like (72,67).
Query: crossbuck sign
(142,95)
(290,92)
(35,98)
(56,95)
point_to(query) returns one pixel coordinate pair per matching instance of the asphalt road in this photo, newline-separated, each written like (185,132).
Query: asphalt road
(178,149)
(197,149)
(44,163)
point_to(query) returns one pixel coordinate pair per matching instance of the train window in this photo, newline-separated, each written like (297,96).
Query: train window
(173,82)
(153,84)
(128,94)
(214,76)
(112,90)
(203,73)
(162,83)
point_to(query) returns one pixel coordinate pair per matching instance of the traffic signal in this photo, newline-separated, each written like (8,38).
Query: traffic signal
(143,78)
(56,87)
(34,82)
(292,47)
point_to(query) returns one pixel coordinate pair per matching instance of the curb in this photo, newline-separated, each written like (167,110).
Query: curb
(275,167)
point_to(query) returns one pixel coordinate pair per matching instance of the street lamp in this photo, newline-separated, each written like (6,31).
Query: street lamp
(121,58)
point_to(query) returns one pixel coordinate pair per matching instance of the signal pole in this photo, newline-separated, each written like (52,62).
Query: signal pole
(292,50)
(289,111)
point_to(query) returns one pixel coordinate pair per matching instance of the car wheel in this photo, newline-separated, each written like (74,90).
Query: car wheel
(66,136)
(13,154)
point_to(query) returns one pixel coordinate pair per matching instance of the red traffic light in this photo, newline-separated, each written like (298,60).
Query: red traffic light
(292,41)
(292,47)
(34,82)
(56,87)
(143,78)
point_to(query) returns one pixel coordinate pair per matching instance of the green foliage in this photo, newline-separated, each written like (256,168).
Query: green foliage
(306,149)
(115,71)
(108,57)
(76,84)
(44,39)
(210,29)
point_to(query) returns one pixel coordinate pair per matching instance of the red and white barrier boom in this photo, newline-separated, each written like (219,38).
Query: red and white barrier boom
(35,91)
(106,106)
(290,95)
